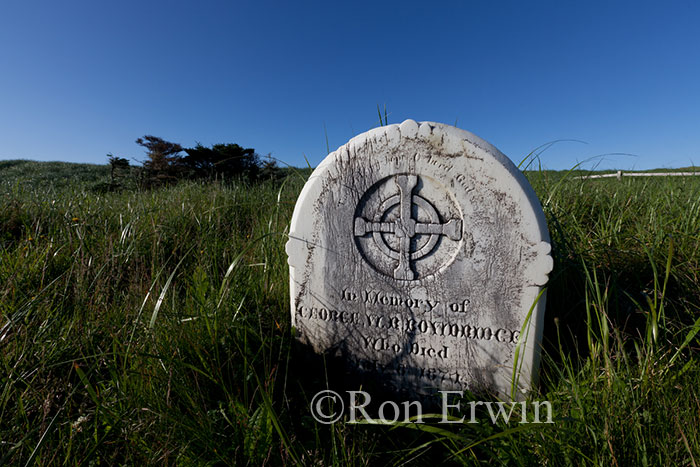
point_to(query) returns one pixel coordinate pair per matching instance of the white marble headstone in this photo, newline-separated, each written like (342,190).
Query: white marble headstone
(417,254)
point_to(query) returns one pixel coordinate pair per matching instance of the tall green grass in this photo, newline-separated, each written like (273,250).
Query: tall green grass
(153,327)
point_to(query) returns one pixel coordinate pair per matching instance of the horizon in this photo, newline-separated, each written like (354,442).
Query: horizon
(528,169)
(616,85)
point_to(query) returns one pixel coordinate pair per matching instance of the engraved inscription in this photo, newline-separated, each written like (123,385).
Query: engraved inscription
(434,375)
(377,297)
(403,325)
(381,344)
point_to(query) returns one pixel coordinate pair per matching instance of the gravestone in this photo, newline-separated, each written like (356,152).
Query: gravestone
(417,256)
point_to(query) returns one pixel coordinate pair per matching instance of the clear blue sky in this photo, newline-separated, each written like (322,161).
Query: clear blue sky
(80,79)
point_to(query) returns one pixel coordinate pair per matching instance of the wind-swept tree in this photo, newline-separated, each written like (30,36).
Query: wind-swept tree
(164,162)
(228,161)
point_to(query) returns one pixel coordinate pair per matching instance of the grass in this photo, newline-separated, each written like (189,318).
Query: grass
(153,327)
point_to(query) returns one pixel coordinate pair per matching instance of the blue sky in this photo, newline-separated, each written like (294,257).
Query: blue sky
(80,79)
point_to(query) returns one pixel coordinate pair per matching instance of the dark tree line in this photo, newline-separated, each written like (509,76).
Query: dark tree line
(168,163)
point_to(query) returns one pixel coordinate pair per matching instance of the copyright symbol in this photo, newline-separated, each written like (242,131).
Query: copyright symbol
(318,406)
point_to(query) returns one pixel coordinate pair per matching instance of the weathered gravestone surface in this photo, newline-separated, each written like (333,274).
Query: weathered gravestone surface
(417,253)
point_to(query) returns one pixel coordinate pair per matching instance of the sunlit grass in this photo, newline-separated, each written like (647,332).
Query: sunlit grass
(153,327)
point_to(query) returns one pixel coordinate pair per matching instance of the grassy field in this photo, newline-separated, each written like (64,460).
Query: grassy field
(153,327)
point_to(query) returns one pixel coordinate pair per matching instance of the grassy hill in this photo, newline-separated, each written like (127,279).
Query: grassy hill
(54,174)
(151,327)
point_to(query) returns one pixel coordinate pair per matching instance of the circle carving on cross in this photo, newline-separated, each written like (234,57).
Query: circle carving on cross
(407,227)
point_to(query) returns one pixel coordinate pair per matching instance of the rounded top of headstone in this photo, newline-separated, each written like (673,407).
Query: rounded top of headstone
(460,154)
